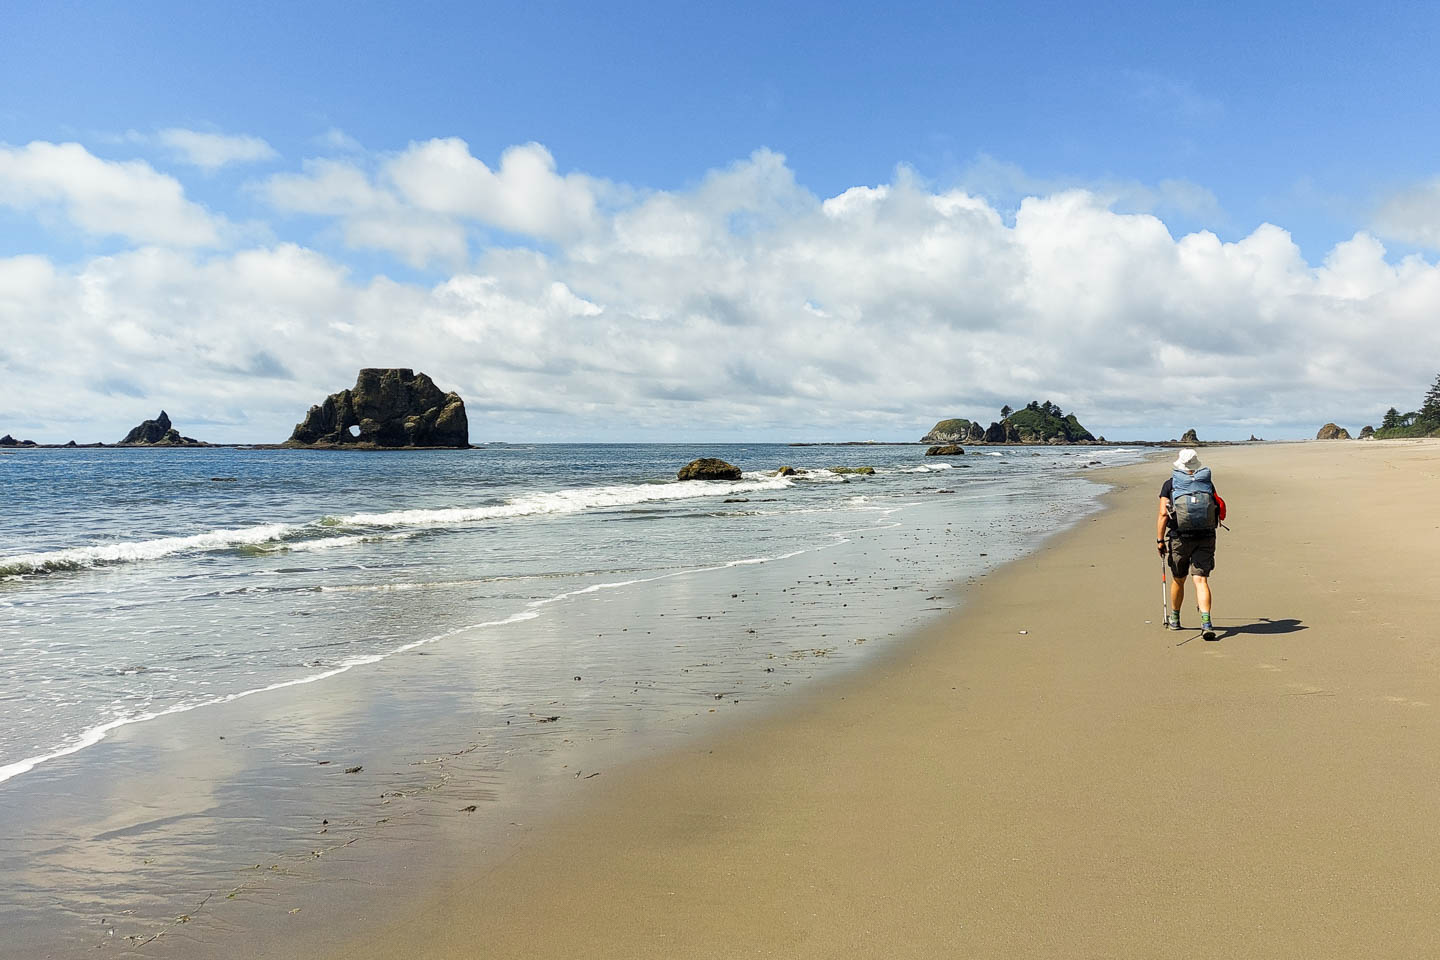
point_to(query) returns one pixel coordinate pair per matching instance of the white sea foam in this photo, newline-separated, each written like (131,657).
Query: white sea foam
(77,558)
(566,501)
(928,468)
(289,535)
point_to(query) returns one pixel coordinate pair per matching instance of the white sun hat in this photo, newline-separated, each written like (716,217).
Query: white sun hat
(1188,460)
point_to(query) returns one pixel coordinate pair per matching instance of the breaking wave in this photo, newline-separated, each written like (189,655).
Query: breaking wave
(325,532)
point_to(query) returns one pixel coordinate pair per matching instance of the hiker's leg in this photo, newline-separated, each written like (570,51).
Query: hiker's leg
(1177,593)
(1202,592)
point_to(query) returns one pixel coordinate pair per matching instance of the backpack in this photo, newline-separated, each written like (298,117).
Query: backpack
(1193,504)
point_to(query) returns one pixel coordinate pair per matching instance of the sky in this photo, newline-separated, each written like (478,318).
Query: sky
(719,222)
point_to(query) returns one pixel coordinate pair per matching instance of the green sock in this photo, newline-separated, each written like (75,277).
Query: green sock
(1204,616)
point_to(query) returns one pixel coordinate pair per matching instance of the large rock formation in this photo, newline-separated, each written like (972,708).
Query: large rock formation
(709,468)
(948,431)
(9,441)
(1190,436)
(1002,432)
(149,431)
(1332,432)
(158,433)
(387,407)
(977,432)
(1367,432)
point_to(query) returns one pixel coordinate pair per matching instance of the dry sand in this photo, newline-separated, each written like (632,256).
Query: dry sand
(1049,773)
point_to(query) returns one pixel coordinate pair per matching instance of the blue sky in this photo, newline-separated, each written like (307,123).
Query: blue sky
(1317,118)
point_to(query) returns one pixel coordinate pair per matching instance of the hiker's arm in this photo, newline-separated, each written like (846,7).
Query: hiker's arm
(1161,519)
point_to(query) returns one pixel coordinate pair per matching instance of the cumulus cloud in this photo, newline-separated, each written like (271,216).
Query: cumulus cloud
(371,217)
(211,151)
(742,306)
(418,203)
(104,197)
(524,194)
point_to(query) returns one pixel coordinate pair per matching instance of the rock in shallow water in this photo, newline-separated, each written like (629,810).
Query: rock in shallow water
(709,468)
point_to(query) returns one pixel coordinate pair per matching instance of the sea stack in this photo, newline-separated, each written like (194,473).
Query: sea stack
(158,433)
(387,408)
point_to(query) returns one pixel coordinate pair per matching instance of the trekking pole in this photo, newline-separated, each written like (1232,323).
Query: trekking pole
(1164,594)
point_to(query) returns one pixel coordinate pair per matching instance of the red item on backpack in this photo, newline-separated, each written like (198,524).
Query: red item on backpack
(1221,505)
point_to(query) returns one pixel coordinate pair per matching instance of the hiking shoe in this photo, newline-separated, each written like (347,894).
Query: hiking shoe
(1207,629)
(1172,621)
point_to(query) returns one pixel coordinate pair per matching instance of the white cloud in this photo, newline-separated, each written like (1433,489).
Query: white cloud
(370,217)
(1412,215)
(211,151)
(742,306)
(523,195)
(104,197)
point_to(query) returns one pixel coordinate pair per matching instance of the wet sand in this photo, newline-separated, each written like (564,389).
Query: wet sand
(1048,773)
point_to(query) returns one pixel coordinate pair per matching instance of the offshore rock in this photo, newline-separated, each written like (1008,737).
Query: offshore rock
(387,407)
(1367,432)
(709,468)
(1002,432)
(1190,436)
(149,431)
(948,431)
(158,433)
(976,433)
(1331,432)
(946,450)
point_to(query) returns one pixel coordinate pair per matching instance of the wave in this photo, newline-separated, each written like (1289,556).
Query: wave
(269,537)
(567,501)
(78,558)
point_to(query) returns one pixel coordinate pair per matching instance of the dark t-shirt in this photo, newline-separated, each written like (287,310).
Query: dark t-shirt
(1168,488)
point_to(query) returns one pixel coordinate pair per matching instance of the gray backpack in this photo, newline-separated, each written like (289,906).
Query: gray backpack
(1192,502)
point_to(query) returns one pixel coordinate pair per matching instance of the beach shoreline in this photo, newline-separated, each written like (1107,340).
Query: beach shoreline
(1048,772)
(274,816)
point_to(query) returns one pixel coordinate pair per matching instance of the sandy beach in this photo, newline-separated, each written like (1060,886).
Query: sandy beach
(1049,773)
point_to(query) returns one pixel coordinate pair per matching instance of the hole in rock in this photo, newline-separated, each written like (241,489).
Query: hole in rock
(355,431)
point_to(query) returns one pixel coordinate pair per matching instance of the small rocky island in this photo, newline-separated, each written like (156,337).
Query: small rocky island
(1035,423)
(388,408)
(158,433)
(709,468)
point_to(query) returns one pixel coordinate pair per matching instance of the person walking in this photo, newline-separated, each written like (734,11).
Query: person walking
(1190,510)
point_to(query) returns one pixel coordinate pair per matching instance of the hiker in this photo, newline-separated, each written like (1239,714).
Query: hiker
(1190,510)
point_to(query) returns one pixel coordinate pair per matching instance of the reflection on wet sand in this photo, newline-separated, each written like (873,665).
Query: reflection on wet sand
(245,820)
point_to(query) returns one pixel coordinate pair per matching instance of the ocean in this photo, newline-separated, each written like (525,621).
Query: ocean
(149,598)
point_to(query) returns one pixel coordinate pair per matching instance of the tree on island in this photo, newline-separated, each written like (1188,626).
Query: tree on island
(1005,412)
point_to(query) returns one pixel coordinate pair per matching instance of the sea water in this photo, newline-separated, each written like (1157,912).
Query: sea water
(140,588)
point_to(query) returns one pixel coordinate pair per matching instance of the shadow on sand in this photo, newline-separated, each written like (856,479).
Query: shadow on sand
(1263,626)
(1260,627)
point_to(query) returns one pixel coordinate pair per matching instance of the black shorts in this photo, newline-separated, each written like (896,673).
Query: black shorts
(1189,555)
